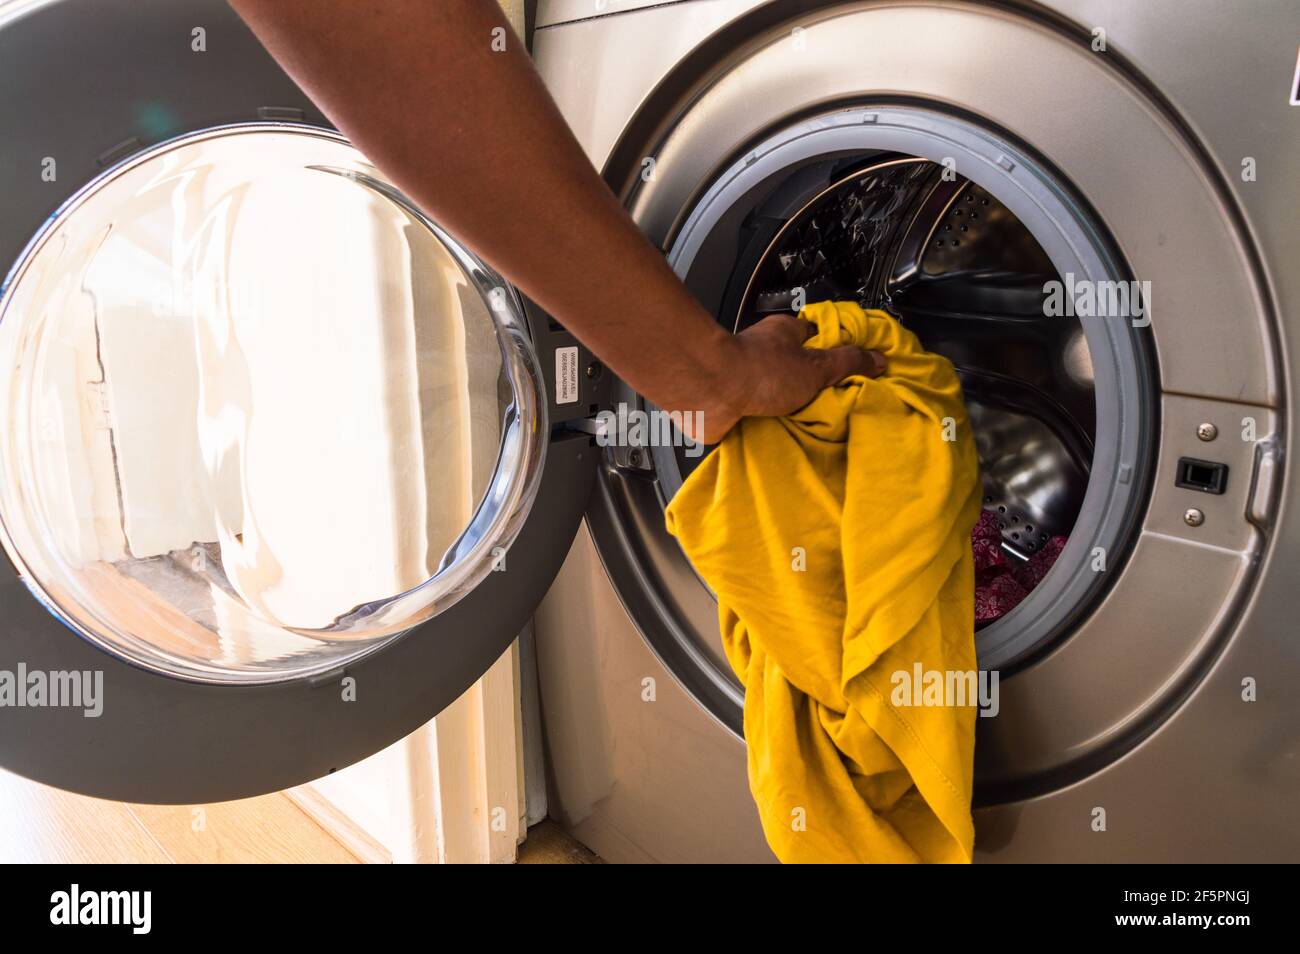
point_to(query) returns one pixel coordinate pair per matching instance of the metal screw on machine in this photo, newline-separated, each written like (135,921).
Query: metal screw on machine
(1207,431)
(1193,517)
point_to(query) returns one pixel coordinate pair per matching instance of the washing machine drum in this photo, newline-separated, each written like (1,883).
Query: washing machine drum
(958,267)
(954,265)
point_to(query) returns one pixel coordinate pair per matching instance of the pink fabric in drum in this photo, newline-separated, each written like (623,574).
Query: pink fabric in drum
(1001,581)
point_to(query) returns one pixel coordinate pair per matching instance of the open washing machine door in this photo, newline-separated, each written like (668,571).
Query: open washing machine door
(283,466)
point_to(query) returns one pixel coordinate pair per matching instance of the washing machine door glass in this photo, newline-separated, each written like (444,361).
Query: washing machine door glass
(260,415)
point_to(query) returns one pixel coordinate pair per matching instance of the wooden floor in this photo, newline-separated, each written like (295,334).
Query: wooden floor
(39,824)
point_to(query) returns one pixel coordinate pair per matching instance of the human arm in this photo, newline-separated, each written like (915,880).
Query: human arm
(471,135)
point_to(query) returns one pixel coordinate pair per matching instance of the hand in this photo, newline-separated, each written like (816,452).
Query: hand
(771,373)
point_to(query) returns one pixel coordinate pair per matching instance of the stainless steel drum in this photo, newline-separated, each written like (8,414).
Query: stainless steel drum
(958,268)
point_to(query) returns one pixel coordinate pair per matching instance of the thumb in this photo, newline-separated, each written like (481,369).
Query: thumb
(840,363)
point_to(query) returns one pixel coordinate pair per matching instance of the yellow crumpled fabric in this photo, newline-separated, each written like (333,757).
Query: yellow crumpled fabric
(837,540)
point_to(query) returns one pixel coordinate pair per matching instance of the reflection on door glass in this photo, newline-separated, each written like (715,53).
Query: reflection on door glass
(260,413)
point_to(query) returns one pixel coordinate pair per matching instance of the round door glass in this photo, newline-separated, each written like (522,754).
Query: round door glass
(258,415)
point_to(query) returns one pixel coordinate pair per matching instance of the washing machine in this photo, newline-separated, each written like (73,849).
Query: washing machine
(971,167)
(286,467)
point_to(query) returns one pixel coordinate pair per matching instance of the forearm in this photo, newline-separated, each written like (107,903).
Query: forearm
(471,135)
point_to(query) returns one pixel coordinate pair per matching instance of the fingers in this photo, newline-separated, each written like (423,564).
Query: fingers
(842,362)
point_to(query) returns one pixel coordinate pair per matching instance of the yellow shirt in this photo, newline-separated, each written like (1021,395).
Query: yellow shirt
(837,540)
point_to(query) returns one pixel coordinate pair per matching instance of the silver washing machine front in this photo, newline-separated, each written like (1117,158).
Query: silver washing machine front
(744,152)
